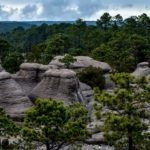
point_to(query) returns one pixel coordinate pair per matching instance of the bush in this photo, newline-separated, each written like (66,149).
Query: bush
(92,76)
(67,60)
(12,61)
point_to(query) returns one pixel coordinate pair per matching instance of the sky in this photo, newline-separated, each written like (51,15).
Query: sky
(68,10)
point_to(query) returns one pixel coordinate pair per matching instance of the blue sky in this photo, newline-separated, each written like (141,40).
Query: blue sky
(19,10)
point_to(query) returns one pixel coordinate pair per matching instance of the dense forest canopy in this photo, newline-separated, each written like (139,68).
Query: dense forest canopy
(120,42)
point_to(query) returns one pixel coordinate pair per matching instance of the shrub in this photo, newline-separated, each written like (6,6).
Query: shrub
(92,76)
(67,60)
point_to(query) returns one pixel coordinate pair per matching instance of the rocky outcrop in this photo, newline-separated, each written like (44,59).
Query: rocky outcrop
(80,63)
(29,75)
(87,92)
(12,98)
(142,70)
(59,84)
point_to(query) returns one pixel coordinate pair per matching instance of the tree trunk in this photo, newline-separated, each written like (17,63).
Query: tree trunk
(47,146)
(130,142)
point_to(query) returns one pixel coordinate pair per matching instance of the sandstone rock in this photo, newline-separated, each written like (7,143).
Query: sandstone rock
(29,75)
(82,62)
(29,70)
(142,70)
(12,98)
(59,84)
(87,92)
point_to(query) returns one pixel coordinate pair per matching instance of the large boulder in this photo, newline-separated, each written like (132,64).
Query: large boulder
(80,63)
(12,98)
(142,70)
(59,84)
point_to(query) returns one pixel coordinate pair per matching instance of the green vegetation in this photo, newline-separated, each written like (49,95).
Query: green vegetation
(7,126)
(12,61)
(121,43)
(92,76)
(8,129)
(125,126)
(55,125)
(67,60)
(48,123)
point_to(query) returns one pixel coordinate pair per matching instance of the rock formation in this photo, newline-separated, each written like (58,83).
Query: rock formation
(12,98)
(81,62)
(29,75)
(142,70)
(87,92)
(59,84)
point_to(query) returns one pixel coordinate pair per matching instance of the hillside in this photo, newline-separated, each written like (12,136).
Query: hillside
(7,26)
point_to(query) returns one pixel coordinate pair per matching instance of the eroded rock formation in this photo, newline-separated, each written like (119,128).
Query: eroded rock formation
(12,98)
(29,75)
(142,70)
(59,84)
(81,62)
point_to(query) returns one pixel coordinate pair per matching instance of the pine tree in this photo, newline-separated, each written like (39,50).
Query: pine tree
(128,119)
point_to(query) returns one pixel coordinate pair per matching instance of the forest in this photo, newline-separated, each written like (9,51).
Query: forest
(120,43)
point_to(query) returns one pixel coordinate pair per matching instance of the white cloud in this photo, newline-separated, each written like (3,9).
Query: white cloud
(69,9)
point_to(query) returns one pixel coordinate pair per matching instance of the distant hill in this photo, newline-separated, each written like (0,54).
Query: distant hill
(6,26)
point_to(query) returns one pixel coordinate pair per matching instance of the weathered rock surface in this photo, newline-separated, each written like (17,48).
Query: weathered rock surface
(82,62)
(29,75)
(87,92)
(142,70)
(59,84)
(12,98)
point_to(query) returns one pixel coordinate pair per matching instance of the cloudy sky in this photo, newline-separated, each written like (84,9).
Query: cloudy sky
(19,10)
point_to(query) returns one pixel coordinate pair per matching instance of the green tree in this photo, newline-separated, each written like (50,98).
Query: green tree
(7,126)
(12,61)
(127,123)
(104,21)
(67,60)
(5,47)
(117,21)
(57,45)
(143,25)
(37,54)
(55,125)
(92,76)
(140,47)
(130,25)
(117,52)
(8,129)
